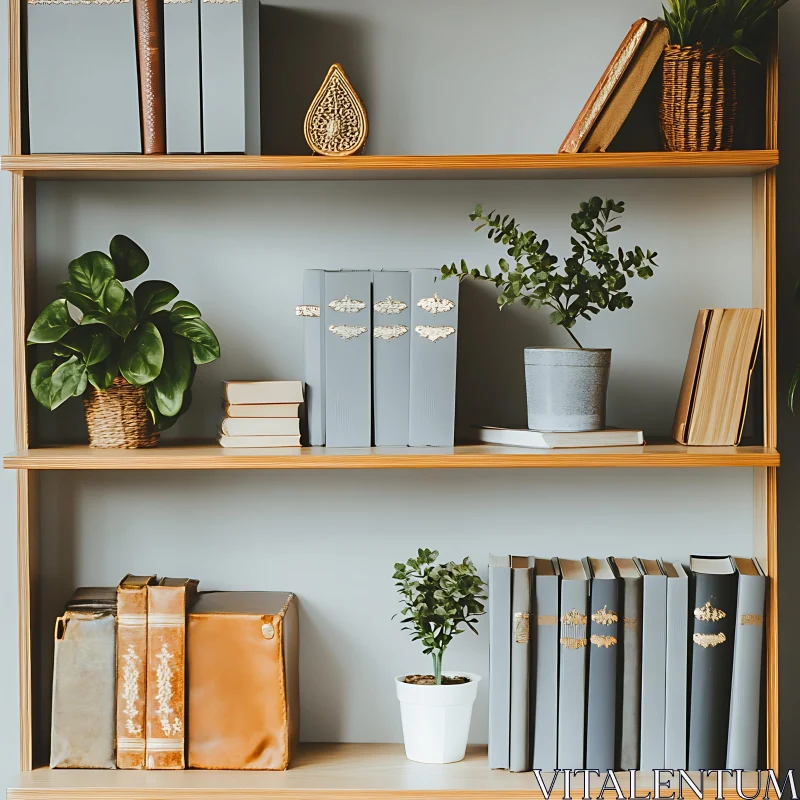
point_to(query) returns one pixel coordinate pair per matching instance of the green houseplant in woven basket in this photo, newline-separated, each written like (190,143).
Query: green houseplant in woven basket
(130,355)
(699,96)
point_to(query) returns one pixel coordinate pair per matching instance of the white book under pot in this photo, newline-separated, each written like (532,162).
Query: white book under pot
(262,410)
(258,392)
(548,440)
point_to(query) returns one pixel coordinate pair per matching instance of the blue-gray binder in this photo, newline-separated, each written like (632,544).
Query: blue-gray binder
(182,75)
(313,313)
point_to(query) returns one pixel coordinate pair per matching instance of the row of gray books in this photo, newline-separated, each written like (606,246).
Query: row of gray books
(83,76)
(380,357)
(617,663)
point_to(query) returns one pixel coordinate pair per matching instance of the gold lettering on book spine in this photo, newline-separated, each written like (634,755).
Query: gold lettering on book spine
(522,628)
(751,619)
(605,617)
(708,613)
(603,641)
(547,619)
(706,640)
(573,630)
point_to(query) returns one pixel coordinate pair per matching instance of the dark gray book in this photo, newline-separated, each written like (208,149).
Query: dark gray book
(545,674)
(572,664)
(182,76)
(83,85)
(229,43)
(604,625)
(314,334)
(434,335)
(391,346)
(748,647)
(713,602)
(348,359)
(629,686)
(677,664)
(499,660)
(519,737)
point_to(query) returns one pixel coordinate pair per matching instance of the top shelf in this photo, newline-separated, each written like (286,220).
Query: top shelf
(724,164)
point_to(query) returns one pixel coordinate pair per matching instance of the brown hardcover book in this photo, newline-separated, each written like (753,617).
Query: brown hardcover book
(151,75)
(167,605)
(690,376)
(244,698)
(720,385)
(131,669)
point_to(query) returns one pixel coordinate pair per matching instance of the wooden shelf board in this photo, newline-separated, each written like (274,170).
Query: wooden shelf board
(731,163)
(212,456)
(323,772)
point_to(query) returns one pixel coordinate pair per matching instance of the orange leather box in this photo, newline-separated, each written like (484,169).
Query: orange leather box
(244,695)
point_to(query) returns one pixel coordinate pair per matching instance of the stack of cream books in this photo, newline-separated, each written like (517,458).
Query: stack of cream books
(262,414)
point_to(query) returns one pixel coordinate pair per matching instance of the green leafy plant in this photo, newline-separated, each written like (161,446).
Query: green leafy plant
(719,24)
(438,599)
(573,292)
(99,329)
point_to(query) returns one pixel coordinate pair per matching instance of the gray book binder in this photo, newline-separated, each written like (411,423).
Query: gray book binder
(231,67)
(629,687)
(391,345)
(182,76)
(519,759)
(604,626)
(675,742)
(348,359)
(499,660)
(83,85)
(654,664)
(748,644)
(434,335)
(314,335)
(544,631)
(572,664)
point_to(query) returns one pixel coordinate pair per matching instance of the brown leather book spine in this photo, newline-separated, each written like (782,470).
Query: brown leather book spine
(690,376)
(151,75)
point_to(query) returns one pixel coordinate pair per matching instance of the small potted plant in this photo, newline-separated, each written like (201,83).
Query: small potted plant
(566,386)
(439,602)
(134,357)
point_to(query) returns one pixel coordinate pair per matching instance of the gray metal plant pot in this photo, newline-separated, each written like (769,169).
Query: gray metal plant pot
(566,388)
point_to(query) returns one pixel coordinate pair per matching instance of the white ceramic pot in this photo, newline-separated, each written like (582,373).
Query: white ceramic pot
(436,718)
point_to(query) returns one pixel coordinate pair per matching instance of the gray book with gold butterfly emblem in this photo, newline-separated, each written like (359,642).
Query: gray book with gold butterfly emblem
(499,660)
(572,664)
(314,335)
(391,345)
(519,759)
(434,335)
(182,75)
(348,359)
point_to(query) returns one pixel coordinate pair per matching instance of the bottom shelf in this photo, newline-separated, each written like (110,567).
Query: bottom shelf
(330,772)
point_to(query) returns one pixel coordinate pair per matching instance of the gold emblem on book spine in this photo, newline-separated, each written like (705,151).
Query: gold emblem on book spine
(522,628)
(390,306)
(347,332)
(573,643)
(603,641)
(436,304)
(547,619)
(708,639)
(434,333)
(573,630)
(347,305)
(573,617)
(751,619)
(708,613)
(307,311)
(605,617)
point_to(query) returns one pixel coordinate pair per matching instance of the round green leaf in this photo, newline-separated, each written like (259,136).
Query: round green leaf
(175,375)
(151,296)
(121,323)
(81,301)
(129,259)
(93,345)
(183,309)
(205,346)
(52,324)
(102,375)
(142,355)
(114,296)
(162,423)
(41,380)
(67,380)
(90,273)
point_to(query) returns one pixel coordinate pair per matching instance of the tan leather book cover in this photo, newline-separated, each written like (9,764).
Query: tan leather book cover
(630,86)
(604,88)
(690,376)
(151,76)
(244,696)
(167,605)
(132,669)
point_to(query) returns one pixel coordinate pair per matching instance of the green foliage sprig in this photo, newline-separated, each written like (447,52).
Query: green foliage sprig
(572,292)
(438,599)
(100,330)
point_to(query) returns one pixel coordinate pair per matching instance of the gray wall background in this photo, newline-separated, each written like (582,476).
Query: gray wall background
(238,251)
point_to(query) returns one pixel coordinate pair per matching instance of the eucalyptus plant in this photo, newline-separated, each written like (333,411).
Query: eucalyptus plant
(99,329)
(438,599)
(572,291)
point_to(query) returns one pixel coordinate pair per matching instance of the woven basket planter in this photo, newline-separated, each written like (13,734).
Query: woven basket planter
(118,417)
(698,100)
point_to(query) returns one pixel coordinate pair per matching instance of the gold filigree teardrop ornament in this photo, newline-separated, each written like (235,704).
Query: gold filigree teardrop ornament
(336,122)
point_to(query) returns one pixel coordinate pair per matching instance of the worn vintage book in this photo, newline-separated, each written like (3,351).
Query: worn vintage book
(348,359)
(525,437)
(83,724)
(713,399)
(629,687)
(712,595)
(604,627)
(434,338)
(151,76)
(572,664)
(263,410)
(259,441)
(261,427)
(167,606)
(244,695)
(544,633)
(391,343)
(68,92)
(748,648)
(499,660)
(258,392)
(675,742)
(519,759)
(132,669)
(314,330)
(182,76)
(231,76)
